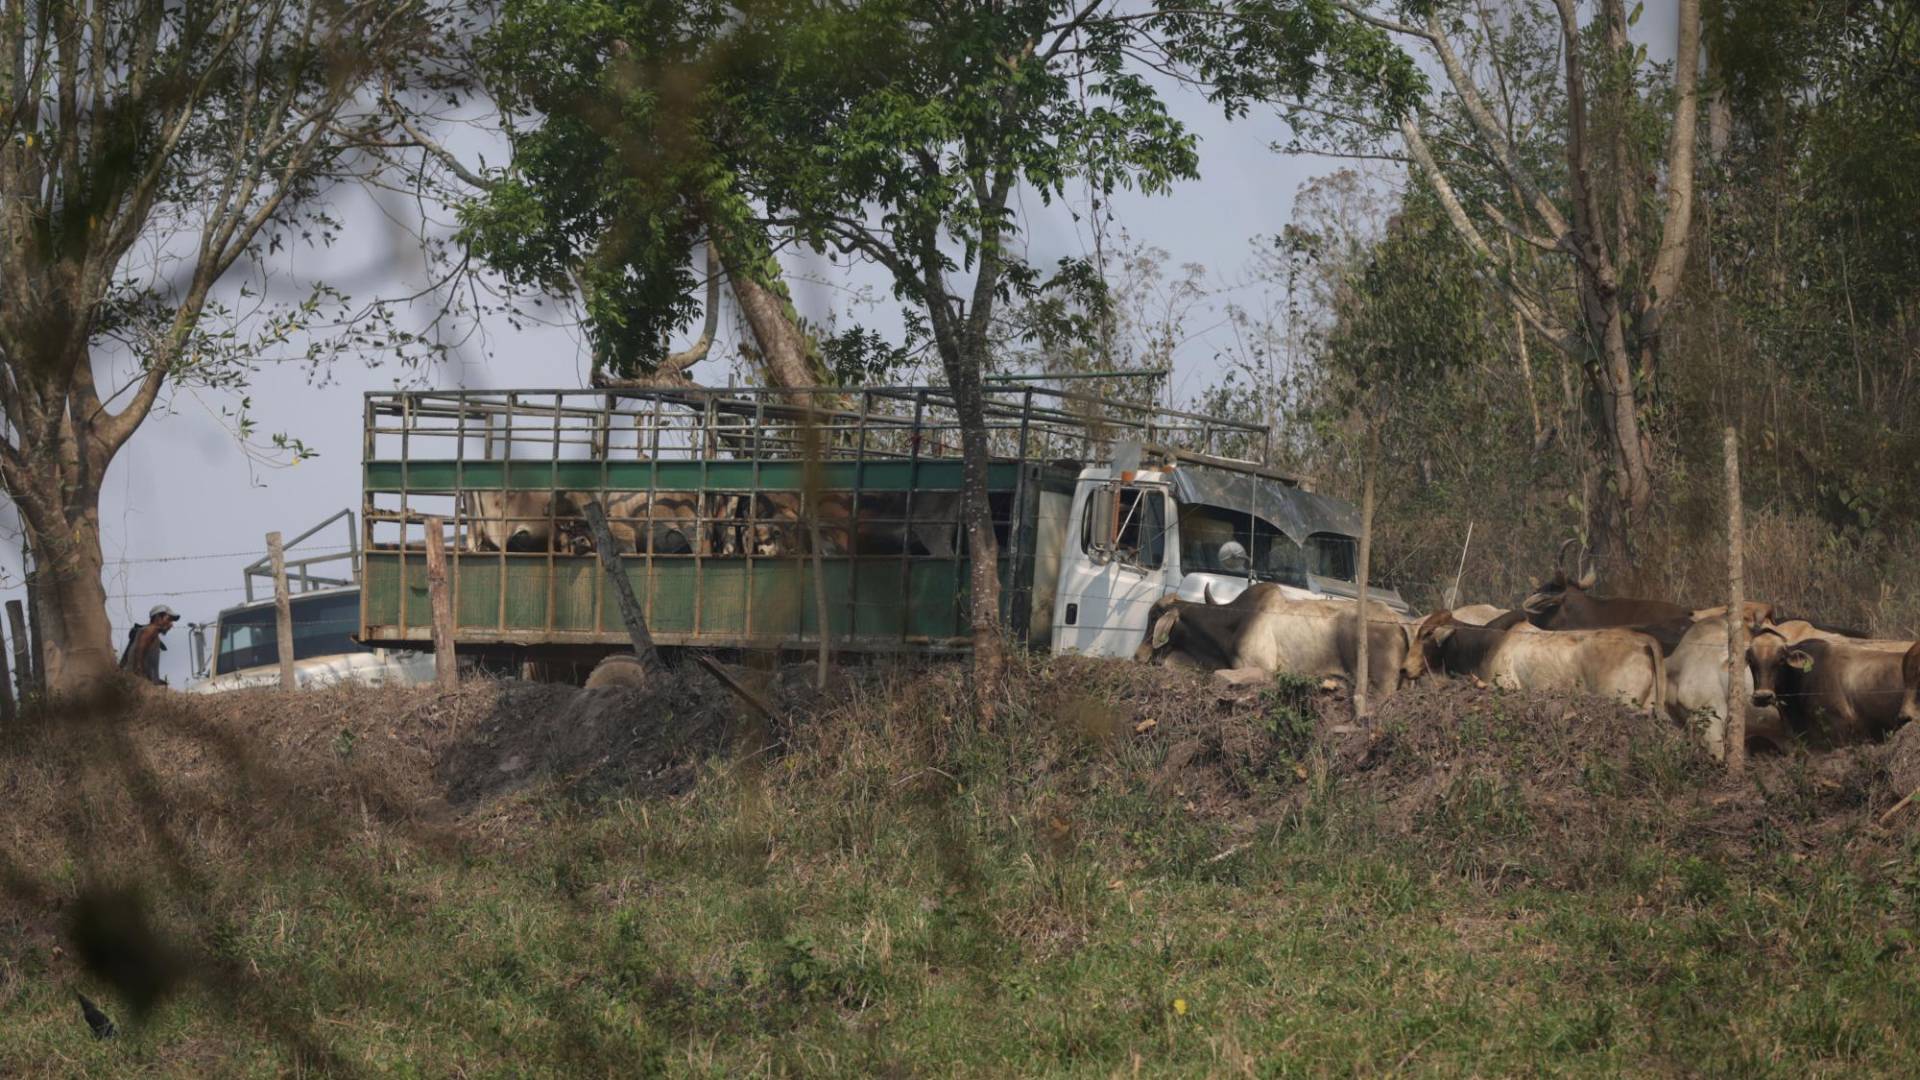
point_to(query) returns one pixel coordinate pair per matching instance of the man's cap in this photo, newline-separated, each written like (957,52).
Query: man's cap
(162,609)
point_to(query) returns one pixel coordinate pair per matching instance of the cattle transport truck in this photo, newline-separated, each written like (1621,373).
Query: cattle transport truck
(730,504)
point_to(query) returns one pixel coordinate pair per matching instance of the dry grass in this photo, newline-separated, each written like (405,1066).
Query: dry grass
(349,882)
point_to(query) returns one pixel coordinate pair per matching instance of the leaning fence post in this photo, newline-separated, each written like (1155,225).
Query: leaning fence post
(446,670)
(282,610)
(22,654)
(1366,557)
(1734,741)
(630,612)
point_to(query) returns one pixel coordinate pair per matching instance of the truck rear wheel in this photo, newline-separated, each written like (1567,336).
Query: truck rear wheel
(620,669)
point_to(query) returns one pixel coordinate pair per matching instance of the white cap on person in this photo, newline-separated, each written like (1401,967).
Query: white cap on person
(162,609)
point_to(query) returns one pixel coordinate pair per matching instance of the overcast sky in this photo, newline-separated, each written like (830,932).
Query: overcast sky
(185,490)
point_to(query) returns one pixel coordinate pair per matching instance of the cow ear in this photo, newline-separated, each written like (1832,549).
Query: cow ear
(1163,629)
(1800,660)
(1588,579)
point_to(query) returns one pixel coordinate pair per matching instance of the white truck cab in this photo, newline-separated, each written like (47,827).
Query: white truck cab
(245,650)
(241,648)
(1135,535)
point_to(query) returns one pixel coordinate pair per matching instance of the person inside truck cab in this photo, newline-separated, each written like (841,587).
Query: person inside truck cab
(142,654)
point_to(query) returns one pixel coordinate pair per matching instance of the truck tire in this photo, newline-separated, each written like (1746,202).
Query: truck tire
(620,669)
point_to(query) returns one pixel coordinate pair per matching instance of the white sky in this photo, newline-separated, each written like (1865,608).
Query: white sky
(184,485)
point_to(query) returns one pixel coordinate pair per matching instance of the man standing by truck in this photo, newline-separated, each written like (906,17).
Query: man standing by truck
(142,655)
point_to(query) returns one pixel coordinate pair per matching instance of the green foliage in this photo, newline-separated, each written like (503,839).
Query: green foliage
(614,172)
(896,131)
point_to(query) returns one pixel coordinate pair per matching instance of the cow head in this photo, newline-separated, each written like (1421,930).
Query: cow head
(1428,640)
(1910,679)
(1562,586)
(1777,664)
(1161,623)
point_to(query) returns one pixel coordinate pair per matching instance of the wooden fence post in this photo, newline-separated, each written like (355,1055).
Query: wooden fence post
(22,656)
(282,611)
(446,668)
(1734,742)
(7,713)
(1360,666)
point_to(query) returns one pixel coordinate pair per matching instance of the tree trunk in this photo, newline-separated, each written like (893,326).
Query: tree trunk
(963,377)
(77,634)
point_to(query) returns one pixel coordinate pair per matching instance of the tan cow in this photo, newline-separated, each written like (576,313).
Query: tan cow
(883,528)
(1622,664)
(1264,629)
(511,520)
(1697,686)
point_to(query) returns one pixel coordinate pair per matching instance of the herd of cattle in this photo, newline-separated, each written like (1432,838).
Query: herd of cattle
(767,524)
(1802,682)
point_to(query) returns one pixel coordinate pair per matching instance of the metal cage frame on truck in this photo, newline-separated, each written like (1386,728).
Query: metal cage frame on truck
(879,468)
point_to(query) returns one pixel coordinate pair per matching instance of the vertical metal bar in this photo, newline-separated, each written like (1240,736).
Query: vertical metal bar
(406,502)
(643,533)
(853,519)
(1017,612)
(506,482)
(366,510)
(459,497)
(553,519)
(914,437)
(753,505)
(700,530)
(595,596)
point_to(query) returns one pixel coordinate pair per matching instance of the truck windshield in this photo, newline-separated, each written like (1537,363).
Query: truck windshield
(322,626)
(1206,530)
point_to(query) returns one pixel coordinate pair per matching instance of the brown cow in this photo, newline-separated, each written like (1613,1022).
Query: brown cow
(1565,602)
(1610,662)
(663,523)
(1264,629)
(1833,691)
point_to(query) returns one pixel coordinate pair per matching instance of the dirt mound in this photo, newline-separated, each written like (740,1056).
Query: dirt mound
(648,741)
(1903,760)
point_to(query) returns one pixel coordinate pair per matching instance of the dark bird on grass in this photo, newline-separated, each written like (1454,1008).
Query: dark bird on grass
(100,1022)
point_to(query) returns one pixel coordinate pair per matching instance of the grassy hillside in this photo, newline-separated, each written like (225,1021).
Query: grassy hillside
(1130,874)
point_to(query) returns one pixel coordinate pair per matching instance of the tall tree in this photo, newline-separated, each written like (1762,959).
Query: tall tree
(148,149)
(619,169)
(1543,180)
(902,132)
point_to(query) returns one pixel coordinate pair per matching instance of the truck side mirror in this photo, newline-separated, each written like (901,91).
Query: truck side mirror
(197,642)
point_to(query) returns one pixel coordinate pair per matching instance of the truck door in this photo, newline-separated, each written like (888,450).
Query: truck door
(1121,551)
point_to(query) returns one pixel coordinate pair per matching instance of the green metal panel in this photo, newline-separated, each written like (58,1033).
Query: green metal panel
(476,589)
(576,587)
(668,594)
(723,597)
(873,602)
(527,475)
(380,588)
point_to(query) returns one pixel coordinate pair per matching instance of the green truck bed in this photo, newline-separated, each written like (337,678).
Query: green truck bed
(432,454)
